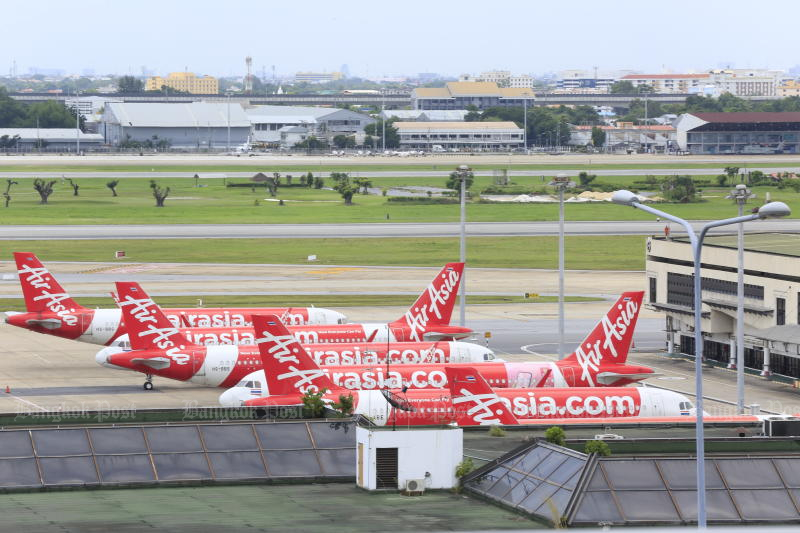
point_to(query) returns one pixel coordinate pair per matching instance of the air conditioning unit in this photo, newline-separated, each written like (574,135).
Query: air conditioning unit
(415,486)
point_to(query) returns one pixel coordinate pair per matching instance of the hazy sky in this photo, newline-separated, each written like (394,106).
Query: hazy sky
(376,38)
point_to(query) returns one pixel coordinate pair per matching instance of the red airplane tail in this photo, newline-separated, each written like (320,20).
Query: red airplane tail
(434,307)
(39,287)
(609,341)
(474,400)
(288,368)
(147,326)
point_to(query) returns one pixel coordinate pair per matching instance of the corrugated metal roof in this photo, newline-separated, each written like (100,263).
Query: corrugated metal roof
(49,134)
(456,126)
(749,117)
(178,115)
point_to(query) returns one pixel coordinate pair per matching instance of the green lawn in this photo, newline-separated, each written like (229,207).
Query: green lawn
(300,300)
(75,165)
(582,252)
(214,203)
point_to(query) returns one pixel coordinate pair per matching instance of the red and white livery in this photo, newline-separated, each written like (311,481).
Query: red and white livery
(52,311)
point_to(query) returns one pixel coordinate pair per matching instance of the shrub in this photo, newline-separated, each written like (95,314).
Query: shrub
(555,435)
(497,431)
(597,446)
(464,467)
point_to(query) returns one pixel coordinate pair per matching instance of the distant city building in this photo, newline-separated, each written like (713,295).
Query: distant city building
(460,135)
(184,81)
(52,139)
(789,88)
(418,115)
(668,83)
(627,136)
(317,77)
(276,124)
(583,81)
(748,82)
(739,133)
(503,78)
(462,94)
(185,125)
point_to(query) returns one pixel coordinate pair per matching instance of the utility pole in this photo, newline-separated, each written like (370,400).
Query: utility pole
(383,119)
(77,124)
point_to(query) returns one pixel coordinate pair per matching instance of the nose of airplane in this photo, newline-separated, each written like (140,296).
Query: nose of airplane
(232,397)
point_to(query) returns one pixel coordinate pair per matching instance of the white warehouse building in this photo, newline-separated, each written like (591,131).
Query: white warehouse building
(460,135)
(196,125)
(286,125)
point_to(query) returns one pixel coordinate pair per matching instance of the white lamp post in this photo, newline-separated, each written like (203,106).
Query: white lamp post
(770,210)
(561,182)
(463,171)
(740,194)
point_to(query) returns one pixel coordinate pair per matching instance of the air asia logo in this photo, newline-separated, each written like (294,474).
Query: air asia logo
(355,356)
(210,338)
(532,406)
(377,379)
(439,292)
(488,406)
(143,311)
(39,278)
(589,360)
(293,319)
(214,320)
(282,348)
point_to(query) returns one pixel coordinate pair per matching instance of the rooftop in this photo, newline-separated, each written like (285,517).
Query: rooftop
(665,76)
(455,89)
(49,134)
(768,243)
(178,115)
(456,126)
(749,117)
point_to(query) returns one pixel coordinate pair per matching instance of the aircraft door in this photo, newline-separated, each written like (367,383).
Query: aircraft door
(198,363)
(569,375)
(524,380)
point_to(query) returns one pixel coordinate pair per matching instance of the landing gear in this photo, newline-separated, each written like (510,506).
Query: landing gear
(148,384)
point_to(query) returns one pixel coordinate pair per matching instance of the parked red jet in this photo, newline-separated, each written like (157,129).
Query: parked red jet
(599,360)
(52,311)
(428,319)
(290,372)
(223,366)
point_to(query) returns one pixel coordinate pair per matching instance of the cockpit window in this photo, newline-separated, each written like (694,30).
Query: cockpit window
(488,356)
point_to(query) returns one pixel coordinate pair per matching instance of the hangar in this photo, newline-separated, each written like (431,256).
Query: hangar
(739,133)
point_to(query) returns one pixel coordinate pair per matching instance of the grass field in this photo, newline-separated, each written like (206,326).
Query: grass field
(76,165)
(214,203)
(301,300)
(582,252)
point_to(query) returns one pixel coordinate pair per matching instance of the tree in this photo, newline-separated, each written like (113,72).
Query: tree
(376,130)
(344,186)
(731,172)
(345,405)
(44,188)
(344,141)
(597,446)
(555,435)
(311,143)
(473,114)
(454,181)
(74,186)
(679,189)
(363,184)
(113,186)
(130,84)
(622,87)
(318,182)
(598,137)
(9,142)
(7,194)
(159,193)
(309,180)
(313,404)
(585,178)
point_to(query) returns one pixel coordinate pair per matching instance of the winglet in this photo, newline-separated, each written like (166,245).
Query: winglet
(475,401)
(288,367)
(39,287)
(609,341)
(147,326)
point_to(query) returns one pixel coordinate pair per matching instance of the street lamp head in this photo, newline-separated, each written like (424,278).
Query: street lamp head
(624,197)
(463,168)
(774,210)
(741,187)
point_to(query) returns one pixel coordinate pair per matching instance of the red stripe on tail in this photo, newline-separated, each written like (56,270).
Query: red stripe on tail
(147,326)
(39,287)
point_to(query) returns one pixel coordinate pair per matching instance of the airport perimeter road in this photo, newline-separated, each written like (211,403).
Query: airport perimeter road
(381,230)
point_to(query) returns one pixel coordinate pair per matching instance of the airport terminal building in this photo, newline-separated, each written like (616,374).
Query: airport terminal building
(771,298)
(739,133)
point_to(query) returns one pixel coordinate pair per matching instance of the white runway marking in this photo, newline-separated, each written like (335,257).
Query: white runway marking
(27,402)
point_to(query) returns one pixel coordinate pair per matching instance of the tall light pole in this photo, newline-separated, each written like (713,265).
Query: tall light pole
(463,172)
(740,195)
(525,123)
(561,182)
(383,119)
(770,210)
(228,94)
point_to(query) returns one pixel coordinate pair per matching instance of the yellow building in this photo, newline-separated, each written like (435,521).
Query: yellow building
(184,81)
(789,88)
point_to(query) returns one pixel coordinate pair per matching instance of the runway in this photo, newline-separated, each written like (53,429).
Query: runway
(379,230)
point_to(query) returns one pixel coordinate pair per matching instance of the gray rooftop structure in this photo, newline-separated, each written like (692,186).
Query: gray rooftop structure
(177,115)
(323,122)
(429,115)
